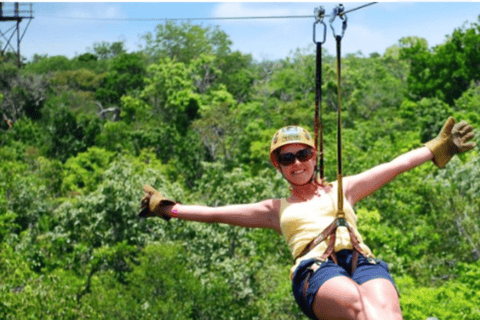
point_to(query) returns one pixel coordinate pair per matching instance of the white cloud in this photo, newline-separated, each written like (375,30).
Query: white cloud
(92,11)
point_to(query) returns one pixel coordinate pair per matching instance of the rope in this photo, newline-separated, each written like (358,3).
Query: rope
(339,11)
(319,14)
(340,212)
(318,113)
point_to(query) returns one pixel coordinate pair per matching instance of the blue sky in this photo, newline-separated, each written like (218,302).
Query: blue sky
(371,29)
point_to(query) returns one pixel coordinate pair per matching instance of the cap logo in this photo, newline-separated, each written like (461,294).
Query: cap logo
(275,138)
(307,135)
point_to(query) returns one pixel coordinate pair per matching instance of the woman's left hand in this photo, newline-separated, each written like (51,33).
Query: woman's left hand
(451,140)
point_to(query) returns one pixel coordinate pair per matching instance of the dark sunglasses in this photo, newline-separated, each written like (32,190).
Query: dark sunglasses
(303,155)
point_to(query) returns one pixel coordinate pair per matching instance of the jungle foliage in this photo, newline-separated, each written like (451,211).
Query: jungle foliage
(190,116)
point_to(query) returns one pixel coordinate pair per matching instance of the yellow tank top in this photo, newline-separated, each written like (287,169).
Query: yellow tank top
(304,221)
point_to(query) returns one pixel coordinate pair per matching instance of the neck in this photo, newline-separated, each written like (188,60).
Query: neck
(305,191)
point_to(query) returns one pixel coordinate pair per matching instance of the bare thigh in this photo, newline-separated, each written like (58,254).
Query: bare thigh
(381,300)
(339,298)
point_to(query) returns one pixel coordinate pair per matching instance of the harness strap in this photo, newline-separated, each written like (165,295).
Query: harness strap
(319,14)
(331,231)
(320,238)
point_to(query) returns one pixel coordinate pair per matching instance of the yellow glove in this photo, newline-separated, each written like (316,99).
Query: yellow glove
(450,141)
(154,204)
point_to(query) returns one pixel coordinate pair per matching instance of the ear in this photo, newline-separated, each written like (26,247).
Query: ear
(315,156)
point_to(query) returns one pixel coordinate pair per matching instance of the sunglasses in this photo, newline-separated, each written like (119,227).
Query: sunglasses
(303,155)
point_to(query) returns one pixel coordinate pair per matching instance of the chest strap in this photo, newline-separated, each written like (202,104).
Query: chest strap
(330,234)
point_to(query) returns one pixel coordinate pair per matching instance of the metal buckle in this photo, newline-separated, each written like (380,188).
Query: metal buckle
(339,11)
(316,265)
(319,14)
(341,222)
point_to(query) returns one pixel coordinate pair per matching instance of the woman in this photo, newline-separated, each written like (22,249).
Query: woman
(344,286)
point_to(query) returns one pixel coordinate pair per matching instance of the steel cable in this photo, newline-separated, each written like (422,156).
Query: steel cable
(191,19)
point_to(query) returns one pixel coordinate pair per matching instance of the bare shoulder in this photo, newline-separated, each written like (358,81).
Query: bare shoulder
(271,205)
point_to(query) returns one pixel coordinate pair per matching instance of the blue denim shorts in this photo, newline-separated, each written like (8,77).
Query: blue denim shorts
(364,272)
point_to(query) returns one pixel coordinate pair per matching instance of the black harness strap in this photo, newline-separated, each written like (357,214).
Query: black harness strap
(319,14)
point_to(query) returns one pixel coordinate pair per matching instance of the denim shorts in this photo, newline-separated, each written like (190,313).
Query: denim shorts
(364,272)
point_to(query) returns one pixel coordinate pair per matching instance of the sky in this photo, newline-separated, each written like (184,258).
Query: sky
(54,31)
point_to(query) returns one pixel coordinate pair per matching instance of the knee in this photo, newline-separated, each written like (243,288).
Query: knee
(341,303)
(390,308)
(354,306)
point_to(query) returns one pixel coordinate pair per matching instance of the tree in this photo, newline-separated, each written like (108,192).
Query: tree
(43,64)
(238,75)
(171,93)
(125,73)
(69,135)
(186,41)
(218,123)
(23,95)
(446,70)
(106,50)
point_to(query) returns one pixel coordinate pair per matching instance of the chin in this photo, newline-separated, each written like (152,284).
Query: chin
(300,180)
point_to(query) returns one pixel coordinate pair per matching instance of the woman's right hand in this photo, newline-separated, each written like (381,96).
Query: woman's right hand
(154,204)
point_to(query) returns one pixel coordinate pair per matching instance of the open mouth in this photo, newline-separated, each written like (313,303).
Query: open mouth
(298,172)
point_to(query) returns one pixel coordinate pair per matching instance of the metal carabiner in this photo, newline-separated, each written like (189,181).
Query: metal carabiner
(339,11)
(319,14)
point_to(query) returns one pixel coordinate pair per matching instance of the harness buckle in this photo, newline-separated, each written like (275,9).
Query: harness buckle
(342,222)
(315,265)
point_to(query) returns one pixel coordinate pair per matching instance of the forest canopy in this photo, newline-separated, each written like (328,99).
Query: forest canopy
(192,117)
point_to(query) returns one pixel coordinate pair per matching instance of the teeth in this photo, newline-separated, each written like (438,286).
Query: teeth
(298,172)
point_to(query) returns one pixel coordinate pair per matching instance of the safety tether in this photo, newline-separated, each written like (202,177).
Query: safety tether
(330,232)
(339,11)
(319,15)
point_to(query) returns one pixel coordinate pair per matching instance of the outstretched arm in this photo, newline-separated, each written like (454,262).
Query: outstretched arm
(256,215)
(453,139)
(361,185)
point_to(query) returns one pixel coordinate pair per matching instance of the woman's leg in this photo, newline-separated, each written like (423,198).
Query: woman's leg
(381,300)
(339,298)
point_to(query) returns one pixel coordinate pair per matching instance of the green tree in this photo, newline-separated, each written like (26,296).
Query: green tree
(106,50)
(69,135)
(171,93)
(22,94)
(186,41)
(45,64)
(238,75)
(446,70)
(126,73)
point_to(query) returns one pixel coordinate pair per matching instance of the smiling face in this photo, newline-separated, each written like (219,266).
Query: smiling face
(298,173)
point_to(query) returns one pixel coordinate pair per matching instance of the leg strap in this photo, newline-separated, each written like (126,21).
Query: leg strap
(311,270)
(354,260)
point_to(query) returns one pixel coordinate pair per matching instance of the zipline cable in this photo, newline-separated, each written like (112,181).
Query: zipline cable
(217,18)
